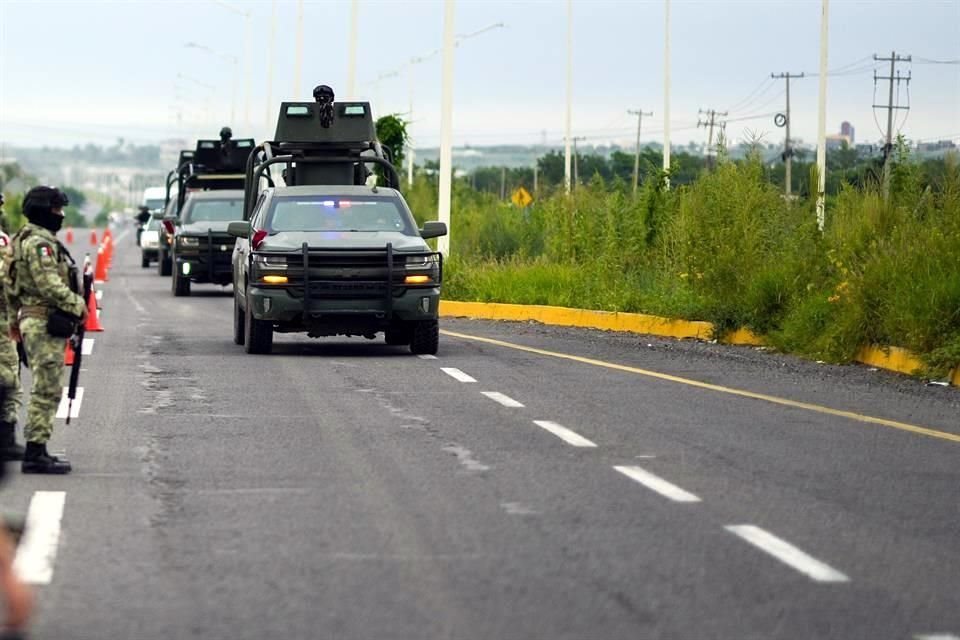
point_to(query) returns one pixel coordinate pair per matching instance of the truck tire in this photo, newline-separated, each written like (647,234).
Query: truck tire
(258,334)
(180,285)
(144,261)
(426,337)
(165,264)
(398,335)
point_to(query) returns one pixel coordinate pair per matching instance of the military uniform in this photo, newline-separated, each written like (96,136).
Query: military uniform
(41,274)
(9,364)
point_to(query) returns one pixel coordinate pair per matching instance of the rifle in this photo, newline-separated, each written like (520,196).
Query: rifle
(76,342)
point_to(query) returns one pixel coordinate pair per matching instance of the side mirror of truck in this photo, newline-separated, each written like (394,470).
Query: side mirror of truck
(433,229)
(157,215)
(239,229)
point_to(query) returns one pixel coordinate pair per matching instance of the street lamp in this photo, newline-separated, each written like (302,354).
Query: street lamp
(247,37)
(236,74)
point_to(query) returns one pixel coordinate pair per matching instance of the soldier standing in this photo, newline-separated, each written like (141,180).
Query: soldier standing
(41,292)
(9,364)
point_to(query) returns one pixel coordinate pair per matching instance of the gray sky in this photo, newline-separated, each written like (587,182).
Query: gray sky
(93,71)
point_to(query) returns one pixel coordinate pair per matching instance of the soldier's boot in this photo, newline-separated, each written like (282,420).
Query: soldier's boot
(9,449)
(36,459)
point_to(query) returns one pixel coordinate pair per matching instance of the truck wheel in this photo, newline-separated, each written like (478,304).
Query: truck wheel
(258,334)
(165,265)
(397,335)
(238,320)
(144,261)
(426,337)
(180,285)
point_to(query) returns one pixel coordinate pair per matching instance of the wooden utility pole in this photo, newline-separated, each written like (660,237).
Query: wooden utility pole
(710,122)
(636,156)
(787,148)
(894,76)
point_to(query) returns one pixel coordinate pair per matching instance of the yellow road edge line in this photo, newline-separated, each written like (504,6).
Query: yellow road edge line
(796,404)
(890,358)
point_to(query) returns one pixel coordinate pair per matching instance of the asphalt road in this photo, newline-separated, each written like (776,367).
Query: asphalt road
(344,489)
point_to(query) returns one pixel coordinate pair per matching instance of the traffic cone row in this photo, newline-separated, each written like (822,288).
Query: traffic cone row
(92,323)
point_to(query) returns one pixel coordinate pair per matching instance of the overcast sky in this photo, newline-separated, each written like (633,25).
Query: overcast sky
(75,71)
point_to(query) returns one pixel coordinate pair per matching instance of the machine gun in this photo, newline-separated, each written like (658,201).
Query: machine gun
(76,340)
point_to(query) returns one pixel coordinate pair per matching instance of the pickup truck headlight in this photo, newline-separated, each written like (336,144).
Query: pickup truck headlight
(188,241)
(267,262)
(421,263)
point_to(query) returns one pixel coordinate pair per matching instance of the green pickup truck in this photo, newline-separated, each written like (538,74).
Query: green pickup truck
(327,252)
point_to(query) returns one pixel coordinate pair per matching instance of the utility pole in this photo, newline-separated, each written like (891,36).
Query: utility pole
(636,156)
(666,91)
(569,116)
(298,55)
(445,186)
(787,149)
(503,183)
(710,122)
(535,176)
(894,76)
(576,169)
(822,118)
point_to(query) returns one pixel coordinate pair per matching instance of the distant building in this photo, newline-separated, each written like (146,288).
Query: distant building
(846,129)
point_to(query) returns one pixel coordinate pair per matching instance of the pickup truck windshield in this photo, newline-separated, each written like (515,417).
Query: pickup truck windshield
(344,214)
(214,211)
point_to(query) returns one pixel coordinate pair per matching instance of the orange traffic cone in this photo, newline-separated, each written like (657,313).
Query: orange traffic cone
(108,249)
(108,234)
(93,316)
(100,275)
(68,355)
(69,235)
(93,237)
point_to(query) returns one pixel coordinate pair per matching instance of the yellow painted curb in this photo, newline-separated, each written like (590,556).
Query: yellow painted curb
(890,358)
(566,317)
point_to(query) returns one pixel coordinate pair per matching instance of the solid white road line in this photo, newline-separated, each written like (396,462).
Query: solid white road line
(570,437)
(65,402)
(99,294)
(427,356)
(936,636)
(457,375)
(87,347)
(658,484)
(38,548)
(506,401)
(787,553)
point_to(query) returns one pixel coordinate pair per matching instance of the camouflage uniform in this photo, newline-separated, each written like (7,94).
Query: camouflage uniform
(9,359)
(42,284)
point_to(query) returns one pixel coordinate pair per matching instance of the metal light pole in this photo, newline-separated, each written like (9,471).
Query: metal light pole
(569,119)
(247,47)
(352,52)
(236,74)
(446,124)
(298,56)
(822,118)
(666,91)
(271,52)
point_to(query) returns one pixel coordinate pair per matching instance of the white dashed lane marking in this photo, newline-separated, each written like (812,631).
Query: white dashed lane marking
(936,636)
(787,553)
(427,356)
(457,375)
(506,401)
(658,484)
(38,548)
(570,437)
(65,402)
(87,348)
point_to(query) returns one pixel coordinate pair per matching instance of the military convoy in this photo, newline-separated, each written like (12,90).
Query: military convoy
(316,245)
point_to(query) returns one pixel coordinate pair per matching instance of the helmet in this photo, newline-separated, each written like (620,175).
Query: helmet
(44,199)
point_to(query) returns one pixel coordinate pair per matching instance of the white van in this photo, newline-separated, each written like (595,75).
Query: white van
(154,198)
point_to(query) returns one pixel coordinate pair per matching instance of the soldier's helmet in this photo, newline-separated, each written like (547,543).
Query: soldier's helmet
(43,199)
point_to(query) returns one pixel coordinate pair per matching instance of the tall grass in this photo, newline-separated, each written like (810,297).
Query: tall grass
(731,250)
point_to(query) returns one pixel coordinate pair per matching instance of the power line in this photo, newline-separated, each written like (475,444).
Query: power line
(709,123)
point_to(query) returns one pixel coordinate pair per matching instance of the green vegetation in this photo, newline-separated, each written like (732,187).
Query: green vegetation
(728,248)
